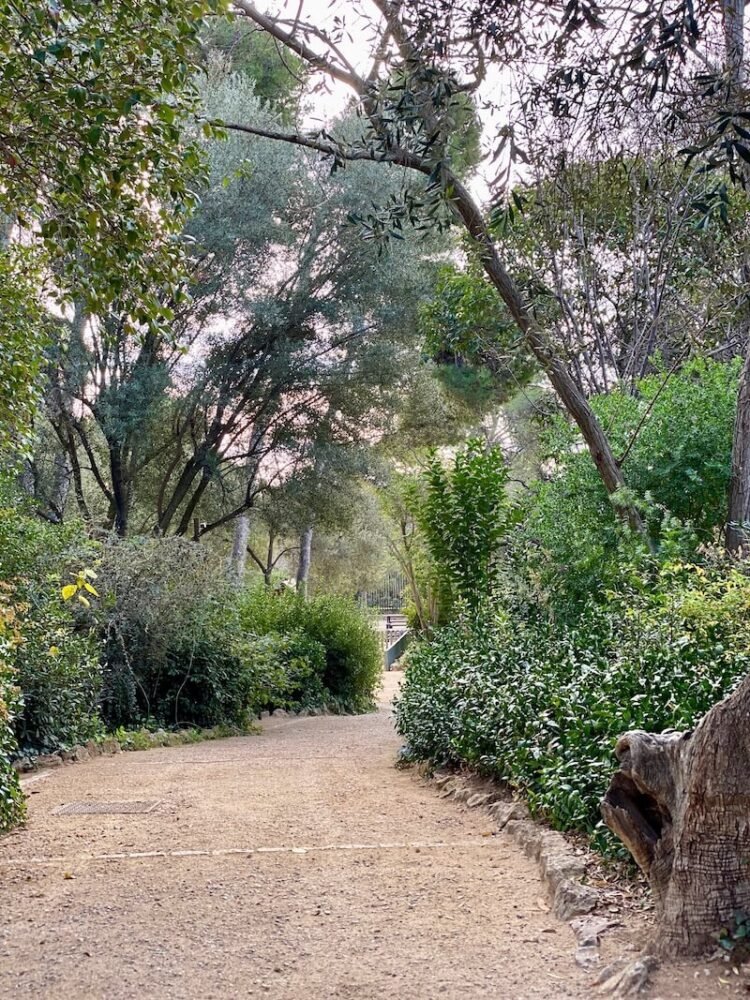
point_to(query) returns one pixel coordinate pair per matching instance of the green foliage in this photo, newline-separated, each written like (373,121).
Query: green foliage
(12,806)
(334,625)
(464,514)
(471,335)
(208,675)
(60,675)
(276,81)
(539,704)
(572,544)
(166,626)
(402,501)
(56,658)
(735,939)
(92,97)
(22,339)
(147,739)
(182,648)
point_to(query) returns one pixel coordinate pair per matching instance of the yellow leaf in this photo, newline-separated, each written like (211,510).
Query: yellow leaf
(69,591)
(91,590)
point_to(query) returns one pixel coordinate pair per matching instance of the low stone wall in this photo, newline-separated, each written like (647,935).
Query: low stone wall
(82,752)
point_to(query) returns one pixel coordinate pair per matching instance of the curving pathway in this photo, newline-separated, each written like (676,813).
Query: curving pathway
(294,864)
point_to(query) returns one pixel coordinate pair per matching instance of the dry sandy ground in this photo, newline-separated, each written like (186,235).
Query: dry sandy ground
(319,871)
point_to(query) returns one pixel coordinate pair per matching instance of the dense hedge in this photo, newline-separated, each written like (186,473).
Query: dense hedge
(540,704)
(11,797)
(329,633)
(181,647)
(56,657)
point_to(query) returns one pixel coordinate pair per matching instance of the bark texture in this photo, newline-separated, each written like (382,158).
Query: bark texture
(238,556)
(739,488)
(733,13)
(681,804)
(305,558)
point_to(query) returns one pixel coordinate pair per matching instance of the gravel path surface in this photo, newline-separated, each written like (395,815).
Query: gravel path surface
(294,864)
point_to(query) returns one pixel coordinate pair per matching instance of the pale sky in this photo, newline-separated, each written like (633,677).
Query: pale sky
(325,106)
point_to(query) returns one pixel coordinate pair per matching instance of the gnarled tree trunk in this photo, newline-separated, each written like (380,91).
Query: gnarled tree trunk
(681,805)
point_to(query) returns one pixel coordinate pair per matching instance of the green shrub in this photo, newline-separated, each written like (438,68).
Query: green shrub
(12,807)
(571,544)
(183,648)
(56,660)
(59,672)
(540,704)
(172,639)
(353,657)
(221,674)
(464,514)
(303,665)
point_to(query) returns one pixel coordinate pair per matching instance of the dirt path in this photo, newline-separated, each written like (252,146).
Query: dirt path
(294,864)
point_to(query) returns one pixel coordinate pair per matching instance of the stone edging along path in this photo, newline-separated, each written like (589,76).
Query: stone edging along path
(562,869)
(151,740)
(80,752)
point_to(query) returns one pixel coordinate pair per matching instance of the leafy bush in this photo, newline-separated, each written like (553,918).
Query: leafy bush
(571,544)
(12,807)
(349,669)
(56,658)
(220,674)
(183,648)
(23,332)
(59,672)
(464,514)
(539,704)
(170,637)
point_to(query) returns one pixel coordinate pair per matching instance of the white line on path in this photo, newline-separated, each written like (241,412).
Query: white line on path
(246,851)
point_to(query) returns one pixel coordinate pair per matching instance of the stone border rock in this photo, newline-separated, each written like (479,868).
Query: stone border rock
(159,738)
(304,713)
(562,869)
(81,752)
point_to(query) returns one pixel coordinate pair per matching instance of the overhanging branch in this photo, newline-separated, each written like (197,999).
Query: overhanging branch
(398,156)
(345,74)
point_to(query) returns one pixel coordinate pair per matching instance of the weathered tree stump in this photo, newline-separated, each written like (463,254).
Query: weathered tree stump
(681,805)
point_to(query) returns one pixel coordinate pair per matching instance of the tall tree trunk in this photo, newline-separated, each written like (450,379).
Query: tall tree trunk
(120,491)
(681,805)
(571,395)
(27,478)
(733,12)
(182,488)
(738,517)
(270,560)
(238,556)
(305,557)
(68,441)
(62,476)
